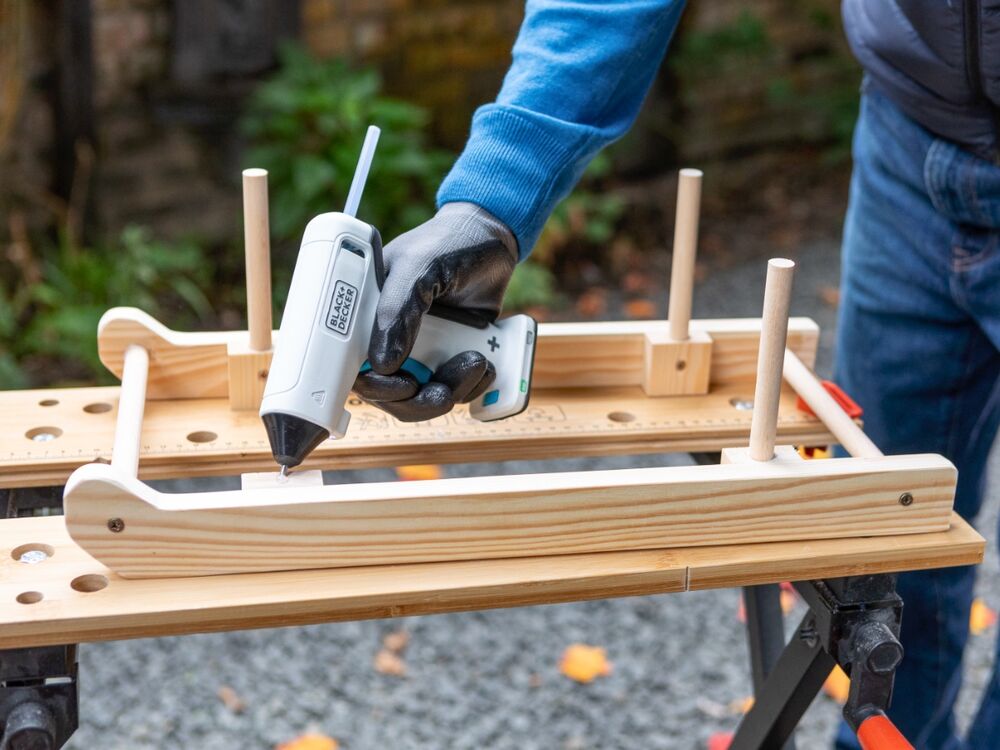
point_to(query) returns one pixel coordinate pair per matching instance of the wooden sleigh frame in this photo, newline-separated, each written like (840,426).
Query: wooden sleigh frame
(759,495)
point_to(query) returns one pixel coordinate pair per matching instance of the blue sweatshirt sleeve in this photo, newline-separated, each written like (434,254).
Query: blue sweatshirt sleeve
(581,70)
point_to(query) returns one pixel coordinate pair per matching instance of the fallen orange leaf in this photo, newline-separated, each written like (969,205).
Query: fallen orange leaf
(389,663)
(640,308)
(231,699)
(830,296)
(837,685)
(396,641)
(592,303)
(585,663)
(741,705)
(720,741)
(418,471)
(981,617)
(310,741)
(635,282)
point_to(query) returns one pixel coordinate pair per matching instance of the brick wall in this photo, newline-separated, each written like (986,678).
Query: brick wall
(168,157)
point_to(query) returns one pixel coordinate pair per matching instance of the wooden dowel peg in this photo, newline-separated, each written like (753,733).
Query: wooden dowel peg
(811,390)
(685,250)
(770,358)
(258,258)
(131,407)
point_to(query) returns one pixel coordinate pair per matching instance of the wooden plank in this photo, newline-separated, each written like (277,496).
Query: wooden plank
(752,564)
(205,437)
(212,533)
(127,608)
(568,355)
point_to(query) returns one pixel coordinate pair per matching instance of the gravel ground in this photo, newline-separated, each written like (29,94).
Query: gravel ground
(483,679)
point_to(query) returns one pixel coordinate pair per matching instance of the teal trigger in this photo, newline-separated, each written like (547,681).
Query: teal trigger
(420,372)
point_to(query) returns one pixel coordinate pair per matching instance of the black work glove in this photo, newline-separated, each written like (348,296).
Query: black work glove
(462,260)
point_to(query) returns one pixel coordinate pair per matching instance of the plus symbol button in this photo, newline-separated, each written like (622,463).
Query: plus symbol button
(494,344)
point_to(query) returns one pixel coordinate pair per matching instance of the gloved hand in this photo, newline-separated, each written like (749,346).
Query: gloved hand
(461,259)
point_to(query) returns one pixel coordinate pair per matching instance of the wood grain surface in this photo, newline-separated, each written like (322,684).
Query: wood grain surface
(204,437)
(289,528)
(568,355)
(125,608)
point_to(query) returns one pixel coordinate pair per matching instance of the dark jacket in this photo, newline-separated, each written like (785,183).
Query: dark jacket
(938,60)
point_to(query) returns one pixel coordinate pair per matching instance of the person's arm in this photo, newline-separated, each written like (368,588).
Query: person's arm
(580,73)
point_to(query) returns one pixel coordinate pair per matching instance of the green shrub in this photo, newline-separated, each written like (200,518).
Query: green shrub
(49,311)
(588,217)
(306,125)
(532,285)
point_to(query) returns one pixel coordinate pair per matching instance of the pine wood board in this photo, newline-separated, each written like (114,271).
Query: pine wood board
(558,422)
(480,518)
(605,354)
(158,607)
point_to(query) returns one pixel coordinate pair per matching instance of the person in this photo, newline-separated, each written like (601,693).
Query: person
(919,319)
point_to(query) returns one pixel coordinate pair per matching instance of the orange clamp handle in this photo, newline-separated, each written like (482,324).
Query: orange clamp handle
(848,404)
(879,733)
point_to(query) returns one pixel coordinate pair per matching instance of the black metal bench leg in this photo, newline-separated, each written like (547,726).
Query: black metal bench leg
(765,635)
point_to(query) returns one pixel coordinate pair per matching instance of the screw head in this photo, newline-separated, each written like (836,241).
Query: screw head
(906,499)
(116,525)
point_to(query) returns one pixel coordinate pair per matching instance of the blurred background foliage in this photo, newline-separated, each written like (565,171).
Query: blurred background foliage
(137,202)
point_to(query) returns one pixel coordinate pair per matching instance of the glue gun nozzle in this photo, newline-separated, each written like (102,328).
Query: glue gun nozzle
(283,474)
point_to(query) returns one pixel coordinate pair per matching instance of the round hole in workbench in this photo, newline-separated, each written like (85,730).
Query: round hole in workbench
(202,436)
(43,434)
(99,408)
(621,416)
(30,597)
(48,402)
(741,404)
(33,553)
(89,583)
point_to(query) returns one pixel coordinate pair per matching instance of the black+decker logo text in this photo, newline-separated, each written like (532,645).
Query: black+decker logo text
(342,307)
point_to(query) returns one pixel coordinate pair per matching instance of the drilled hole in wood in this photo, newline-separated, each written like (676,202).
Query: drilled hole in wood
(621,416)
(681,364)
(741,404)
(99,408)
(262,374)
(202,436)
(30,597)
(33,553)
(43,434)
(49,402)
(89,583)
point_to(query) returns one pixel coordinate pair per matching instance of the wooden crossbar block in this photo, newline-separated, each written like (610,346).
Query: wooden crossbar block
(139,532)
(676,368)
(247,374)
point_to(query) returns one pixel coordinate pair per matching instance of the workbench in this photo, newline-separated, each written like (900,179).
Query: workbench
(127,561)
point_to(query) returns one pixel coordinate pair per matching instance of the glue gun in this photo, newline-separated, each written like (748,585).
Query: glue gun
(323,340)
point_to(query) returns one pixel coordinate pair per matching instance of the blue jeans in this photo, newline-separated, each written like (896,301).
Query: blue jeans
(917,348)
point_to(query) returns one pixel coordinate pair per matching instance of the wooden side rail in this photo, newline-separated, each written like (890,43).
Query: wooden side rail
(141,533)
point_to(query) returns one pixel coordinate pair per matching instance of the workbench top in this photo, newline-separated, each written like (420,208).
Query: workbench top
(70,610)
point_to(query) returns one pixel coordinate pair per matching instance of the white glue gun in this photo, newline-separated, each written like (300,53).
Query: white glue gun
(323,340)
